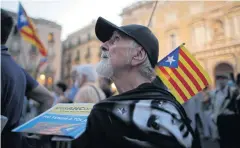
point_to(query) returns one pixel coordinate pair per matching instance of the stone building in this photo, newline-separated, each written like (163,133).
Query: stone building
(28,55)
(80,47)
(211,30)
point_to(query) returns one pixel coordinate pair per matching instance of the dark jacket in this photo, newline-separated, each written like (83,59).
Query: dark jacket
(148,116)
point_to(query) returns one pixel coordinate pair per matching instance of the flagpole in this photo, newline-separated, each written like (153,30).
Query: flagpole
(154,8)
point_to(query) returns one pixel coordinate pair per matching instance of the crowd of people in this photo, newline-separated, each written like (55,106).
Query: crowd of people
(85,87)
(143,113)
(215,112)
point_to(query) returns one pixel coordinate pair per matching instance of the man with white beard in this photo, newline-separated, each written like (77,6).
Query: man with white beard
(144,114)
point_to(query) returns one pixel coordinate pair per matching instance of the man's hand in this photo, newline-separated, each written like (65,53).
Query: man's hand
(41,95)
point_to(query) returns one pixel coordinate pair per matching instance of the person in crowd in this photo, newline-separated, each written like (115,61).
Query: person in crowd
(69,94)
(15,84)
(88,92)
(231,81)
(207,111)
(105,85)
(237,95)
(145,113)
(60,89)
(224,113)
(74,88)
(193,108)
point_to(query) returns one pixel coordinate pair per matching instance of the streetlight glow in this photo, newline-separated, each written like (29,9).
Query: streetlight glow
(42,77)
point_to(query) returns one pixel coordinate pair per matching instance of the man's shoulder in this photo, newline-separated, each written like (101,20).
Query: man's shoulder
(10,70)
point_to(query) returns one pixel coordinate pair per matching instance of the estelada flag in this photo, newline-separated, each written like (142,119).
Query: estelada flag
(182,74)
(27,30)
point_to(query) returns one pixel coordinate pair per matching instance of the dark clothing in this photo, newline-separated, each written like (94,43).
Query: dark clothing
(15,83)
(107,91)
(134,119)
(229,129)
(229,124)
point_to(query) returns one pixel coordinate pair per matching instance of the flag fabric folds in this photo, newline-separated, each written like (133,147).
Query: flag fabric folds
(27,30)
(182,74)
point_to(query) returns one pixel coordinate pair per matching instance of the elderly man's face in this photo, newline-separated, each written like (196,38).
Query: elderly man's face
(115,55)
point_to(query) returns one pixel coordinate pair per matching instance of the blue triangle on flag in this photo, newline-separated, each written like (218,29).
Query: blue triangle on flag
(171,60)
(22,19)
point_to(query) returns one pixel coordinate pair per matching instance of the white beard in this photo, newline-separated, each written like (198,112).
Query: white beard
(104,68)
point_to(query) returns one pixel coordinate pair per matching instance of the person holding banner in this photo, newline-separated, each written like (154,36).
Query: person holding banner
(145,113)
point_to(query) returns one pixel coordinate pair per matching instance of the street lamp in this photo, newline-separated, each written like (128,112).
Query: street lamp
(42,77)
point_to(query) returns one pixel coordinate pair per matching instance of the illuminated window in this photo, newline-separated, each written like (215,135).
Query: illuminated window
(51,37)
(49,81)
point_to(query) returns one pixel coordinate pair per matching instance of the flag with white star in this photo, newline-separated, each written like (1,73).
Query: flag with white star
(182,74)
(27,30)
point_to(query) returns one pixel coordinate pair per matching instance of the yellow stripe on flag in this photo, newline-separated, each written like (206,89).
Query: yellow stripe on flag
(179,83)
(205,74)
(27,30)
(191,71)
(168,84)
(31,40)
(187,79)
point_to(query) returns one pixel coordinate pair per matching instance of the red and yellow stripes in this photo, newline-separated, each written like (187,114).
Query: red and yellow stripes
(30,35)
(186,80)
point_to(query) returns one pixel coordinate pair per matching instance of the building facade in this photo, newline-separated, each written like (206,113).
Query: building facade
(28,55)
(211,30)
(80,47)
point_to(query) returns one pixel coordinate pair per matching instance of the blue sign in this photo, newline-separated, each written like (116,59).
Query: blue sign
(68,120)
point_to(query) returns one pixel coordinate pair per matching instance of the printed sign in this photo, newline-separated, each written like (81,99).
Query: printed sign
(61,120)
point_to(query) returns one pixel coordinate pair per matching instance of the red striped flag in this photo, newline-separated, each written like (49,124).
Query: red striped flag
(182,74)
(27,30)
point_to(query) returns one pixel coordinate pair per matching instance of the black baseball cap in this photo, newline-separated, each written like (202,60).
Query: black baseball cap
(141,34)
(6,26)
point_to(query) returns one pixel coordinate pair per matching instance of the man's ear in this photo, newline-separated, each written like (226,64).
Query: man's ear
(139,56)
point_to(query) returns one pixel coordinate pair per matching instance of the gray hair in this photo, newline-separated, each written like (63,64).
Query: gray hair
(89,71)
(146,69)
